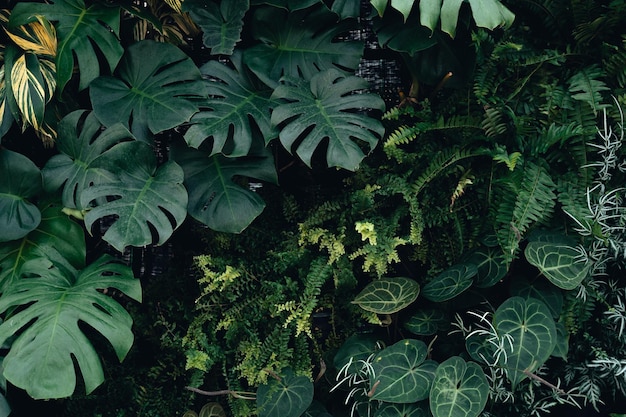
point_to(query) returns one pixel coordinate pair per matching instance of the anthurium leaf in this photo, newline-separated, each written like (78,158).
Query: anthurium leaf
(49,339)
(558,263)
(142,198)
(81,141)
(531,328)
(460,389)
(85,33)
(387,295)
(20,180)
(152,91)
(479,348)
(325,110)
(215,198)
(212,409)
(289,396)
(55,235)
(426,322)
(490,266)
(299,44)
(403,410)
(562,342)
(401,373)
(450,283)
(220,23)
(236,106)
(540,289)
(356,348)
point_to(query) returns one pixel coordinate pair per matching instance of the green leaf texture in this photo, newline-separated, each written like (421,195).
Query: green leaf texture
(387,295)
(289,396)
(460,389)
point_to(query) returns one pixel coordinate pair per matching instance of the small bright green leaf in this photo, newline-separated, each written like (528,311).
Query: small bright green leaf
(490,264)
(404,7)
(290,396)
(20,180)
(144,199)
(403,410)
(326,110)
(299,44)
(387,295)
(426,322)
(450,283)
(221,24)
(81,141)
(460,389)
(152,91)
(357,347)
(215,198)
(49,339)
(558,263)
(530,325)
(541,290)
(401,373)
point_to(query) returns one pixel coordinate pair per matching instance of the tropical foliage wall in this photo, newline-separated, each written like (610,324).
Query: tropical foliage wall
(456,249)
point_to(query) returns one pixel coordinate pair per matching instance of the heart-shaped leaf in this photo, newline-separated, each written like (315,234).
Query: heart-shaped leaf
(144,199)
(400,373)
(221,24)
(490,264)
(562,342)
(403,410)
(326,109)
(299,44)
(49,339)
(81,140)
(236,106)
(558,263)
(539,289)
(387,295)
(289,396)
(20,180)
(450,283)
(89,34)
(356,348)
(215,198)
(153,91)
(426,322)
(531,327)
(212,409)
(460,389)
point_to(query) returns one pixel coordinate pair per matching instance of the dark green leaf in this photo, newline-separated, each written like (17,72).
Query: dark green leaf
(540,289)
(290,396)
(558,263)
(326,110)
(562,342)
(460,389)
(356,348)
(490,265)
(403,410)
(387,295)
(450,283)
(426,322)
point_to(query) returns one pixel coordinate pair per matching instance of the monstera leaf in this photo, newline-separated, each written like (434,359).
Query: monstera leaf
(20,179)
(387,295)
(144,199)
(403,410)
(460,389)
(236,107)
(221,24)
(152,92)
(530,325)
(401,373)
(426,322)
(450,283)
(291,395)
(326,110)
(56,237)
(490,266)
(89,34)
(558,263)
(215,198)
(81,141)
(299,44)
(54,300)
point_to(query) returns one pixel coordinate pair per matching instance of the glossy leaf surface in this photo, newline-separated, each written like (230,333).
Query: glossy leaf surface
(490,265)
(426,322)
(402,410)
(460,389)
(387,295)
(450,283)
(558,263)
(290,396)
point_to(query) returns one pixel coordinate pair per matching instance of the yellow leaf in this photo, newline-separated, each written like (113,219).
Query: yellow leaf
(38,37)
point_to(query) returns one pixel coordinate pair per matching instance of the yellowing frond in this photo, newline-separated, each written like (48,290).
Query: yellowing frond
(38,37)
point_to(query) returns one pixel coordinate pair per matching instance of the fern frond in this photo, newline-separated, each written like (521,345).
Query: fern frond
(494,122)
(586,85)
(615,64)
(552,135)
(443,160)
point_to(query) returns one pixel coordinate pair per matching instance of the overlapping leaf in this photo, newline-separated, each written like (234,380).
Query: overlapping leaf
(460,389)
(85,34)
(327,111)
(289,396)
(401,373)
(450,283)
(81,141)
(490,266)
(558,263)
(426,322)
(153,91)
(403,410)
(541,290)
(356,348)
(55,300)
(143,200)
(236,107)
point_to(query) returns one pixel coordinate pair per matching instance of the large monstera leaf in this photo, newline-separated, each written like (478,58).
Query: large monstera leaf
(460,389)
(152,91)
(215,198)
(81,141)
(86,34)
(56,237)
(299,44)
(290,395)
(388,295)
(531,327)
(54,300)
(235,108)
(142,200)
(557,262)
(401,373)
(20,180)
(327,110)
(221,23)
